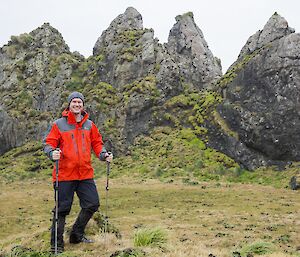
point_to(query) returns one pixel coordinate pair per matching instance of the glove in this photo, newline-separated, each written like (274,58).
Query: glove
(108,156)
(55,154)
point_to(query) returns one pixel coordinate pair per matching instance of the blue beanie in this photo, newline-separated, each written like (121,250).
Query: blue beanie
(75,95)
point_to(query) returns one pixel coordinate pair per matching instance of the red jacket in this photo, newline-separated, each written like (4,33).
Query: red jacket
(75,140)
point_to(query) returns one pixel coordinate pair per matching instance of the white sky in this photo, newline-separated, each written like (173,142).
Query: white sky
(226,25)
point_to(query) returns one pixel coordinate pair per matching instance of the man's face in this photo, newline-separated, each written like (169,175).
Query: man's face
(76,105)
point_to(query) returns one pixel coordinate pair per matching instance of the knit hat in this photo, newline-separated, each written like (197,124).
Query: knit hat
(75,95)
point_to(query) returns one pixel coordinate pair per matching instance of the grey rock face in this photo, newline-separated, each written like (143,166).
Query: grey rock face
(127,55)
(147,73)
(187,46)
(276,28)
(34,68)
(50,39)
(125,50)
(11,132)
(129,77)
(262,101)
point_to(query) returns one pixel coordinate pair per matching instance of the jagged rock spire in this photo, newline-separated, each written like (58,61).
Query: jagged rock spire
(48,37)
(276,28)
(131,19)
(190,50)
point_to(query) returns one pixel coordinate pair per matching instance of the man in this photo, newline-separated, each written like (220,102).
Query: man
(70,140)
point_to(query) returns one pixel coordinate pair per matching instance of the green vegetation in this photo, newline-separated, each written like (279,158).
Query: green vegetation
(145,86)
(192,108)
(167,154)
(27,161)
(232,73)
(132,47)
(150,237)
(22,40)
(101,96)
(258,248)
(169,178)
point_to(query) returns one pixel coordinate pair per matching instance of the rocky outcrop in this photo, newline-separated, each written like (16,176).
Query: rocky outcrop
(145,73)
(132,83)
(261,92)
(34,69)
(187,46)
(128,78)
(125,50)
(276,28)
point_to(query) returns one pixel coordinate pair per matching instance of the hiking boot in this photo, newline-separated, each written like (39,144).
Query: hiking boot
(75,240)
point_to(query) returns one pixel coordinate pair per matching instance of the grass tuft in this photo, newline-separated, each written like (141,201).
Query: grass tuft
(150,237)
(258,248)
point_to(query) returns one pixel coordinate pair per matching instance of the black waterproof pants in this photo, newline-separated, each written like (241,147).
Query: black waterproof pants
(89,202)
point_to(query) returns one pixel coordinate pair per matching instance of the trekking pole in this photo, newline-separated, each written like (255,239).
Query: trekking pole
(56,208)
(106,198)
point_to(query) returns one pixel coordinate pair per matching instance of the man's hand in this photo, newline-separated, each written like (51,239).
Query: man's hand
(109,157)
(55,154)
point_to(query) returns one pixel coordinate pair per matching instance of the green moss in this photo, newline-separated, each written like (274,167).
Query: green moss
(167,153)
(189,14)
(131,46)
(100,58)
(231,74)
(129,36)
(191,109)
(172,119)
(178,101)
(103,95)
(145,86)
(156,67)
(127,57)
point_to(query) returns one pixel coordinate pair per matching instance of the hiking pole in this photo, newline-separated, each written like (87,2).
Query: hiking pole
(106,198)
(56,207)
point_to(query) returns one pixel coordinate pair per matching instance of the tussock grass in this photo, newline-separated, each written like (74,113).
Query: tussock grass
(257,248)
(150,237)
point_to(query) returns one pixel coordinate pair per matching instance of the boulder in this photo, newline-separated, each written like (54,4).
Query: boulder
(295,182)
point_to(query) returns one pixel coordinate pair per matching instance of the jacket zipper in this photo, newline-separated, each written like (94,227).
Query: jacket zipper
(83,143)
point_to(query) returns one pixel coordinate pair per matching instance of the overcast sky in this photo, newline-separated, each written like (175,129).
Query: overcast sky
(226,25)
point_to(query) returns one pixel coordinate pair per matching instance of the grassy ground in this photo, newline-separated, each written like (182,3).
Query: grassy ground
(204,201)
(210,217)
